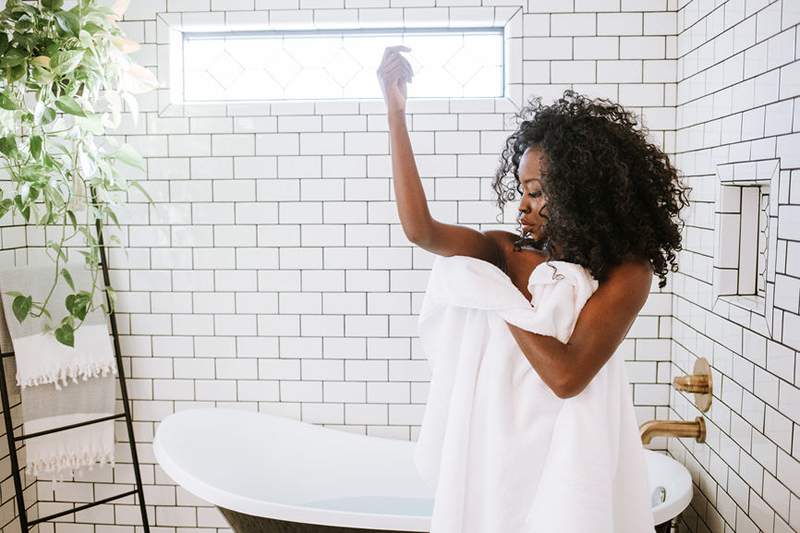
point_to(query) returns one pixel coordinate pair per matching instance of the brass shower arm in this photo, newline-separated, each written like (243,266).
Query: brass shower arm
(692,383)
(698,382)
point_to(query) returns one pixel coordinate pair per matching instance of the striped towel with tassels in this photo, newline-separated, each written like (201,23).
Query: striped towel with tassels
(60,385)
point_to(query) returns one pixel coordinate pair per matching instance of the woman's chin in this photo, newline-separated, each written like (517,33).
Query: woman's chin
(528,239)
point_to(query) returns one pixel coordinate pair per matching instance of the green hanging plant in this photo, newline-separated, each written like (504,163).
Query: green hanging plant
(64,75)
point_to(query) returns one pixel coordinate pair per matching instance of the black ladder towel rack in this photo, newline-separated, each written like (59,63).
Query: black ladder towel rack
(25,524)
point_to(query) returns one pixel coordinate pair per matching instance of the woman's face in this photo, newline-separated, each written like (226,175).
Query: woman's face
(532,206)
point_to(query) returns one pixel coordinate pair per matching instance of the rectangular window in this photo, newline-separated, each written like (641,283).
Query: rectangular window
(338,64)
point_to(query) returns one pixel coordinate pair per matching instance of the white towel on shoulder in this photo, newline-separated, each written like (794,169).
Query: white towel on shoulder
(503,453)
(45,368)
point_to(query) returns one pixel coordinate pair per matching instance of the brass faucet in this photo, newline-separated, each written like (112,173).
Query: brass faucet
(673,428)
(699,383)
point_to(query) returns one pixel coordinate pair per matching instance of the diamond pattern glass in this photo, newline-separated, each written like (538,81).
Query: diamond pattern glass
(328,64)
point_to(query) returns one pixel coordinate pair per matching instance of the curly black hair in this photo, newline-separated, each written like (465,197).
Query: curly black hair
(610,192)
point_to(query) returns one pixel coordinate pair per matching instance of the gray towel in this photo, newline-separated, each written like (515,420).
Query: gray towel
(44,368)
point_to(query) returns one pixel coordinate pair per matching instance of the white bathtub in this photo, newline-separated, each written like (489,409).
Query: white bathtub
(264,465)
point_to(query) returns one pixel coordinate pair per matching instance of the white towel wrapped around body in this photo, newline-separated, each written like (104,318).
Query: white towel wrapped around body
(502,451)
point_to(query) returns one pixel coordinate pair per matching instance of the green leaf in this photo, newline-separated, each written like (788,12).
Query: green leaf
(48,115)
(15,73)
(72,218)
(52,5)
(36,147)
(69,105)
(65,62)
(8,147)
(78,304)
(68,278)
(34,193)
(13,57)
(69,22)
(82,309)
(19,10)
(5,205)
(128,155)
(65,334)
(85,38)
(22,207)
(21,307)
(92,28)
(58,249)
(7,103)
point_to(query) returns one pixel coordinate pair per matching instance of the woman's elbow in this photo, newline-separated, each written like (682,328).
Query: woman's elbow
(415,237)
(417,233)
(568,388)
(562,392)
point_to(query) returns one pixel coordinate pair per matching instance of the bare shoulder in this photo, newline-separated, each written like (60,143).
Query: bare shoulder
(632,280)
(633,266)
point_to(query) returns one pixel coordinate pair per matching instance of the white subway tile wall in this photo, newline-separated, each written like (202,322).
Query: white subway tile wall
(737,105)
(272,273)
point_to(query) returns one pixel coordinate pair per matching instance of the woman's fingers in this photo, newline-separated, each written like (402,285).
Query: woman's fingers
(398,71)
(394,65)
(394,73)
(390,63)
(397,75)
(391,56)
(395,61)
(406,64)
(395,49)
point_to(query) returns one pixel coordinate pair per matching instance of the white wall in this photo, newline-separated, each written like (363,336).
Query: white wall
(738,87)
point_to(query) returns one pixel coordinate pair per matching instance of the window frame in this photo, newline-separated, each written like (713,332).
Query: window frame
(171,25)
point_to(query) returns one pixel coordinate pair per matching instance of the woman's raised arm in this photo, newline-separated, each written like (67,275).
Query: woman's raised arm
(418,224)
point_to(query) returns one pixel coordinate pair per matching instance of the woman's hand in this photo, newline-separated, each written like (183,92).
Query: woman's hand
(393,73)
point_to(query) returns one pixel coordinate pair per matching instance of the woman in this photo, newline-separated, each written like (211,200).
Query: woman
(594,192)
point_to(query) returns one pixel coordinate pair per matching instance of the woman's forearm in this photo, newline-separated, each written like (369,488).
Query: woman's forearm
(549,358)
(412,206)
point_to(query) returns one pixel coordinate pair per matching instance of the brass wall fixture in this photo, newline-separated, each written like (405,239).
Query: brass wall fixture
(699,382)
(673,428)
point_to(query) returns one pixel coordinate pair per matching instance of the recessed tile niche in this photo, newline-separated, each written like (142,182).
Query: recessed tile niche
(745,247)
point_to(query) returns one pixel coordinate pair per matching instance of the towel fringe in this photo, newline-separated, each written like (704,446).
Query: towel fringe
(58,465)
(60,375)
